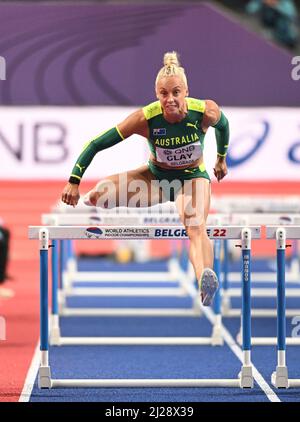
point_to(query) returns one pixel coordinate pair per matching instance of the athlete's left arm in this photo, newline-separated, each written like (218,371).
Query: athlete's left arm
(214,117)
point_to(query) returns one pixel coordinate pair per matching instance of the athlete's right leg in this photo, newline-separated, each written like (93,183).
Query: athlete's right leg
(193,207)
(135,188)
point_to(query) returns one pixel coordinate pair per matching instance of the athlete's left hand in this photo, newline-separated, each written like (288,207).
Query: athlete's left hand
(220,169)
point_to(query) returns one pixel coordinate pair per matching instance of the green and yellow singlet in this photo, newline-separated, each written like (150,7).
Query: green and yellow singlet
(176,144)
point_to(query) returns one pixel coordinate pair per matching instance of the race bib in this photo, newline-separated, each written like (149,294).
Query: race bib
(179,156)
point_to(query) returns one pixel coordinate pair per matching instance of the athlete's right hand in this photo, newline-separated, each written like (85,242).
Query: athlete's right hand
(70,195)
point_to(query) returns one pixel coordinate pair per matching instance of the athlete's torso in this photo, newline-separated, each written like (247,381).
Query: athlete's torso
(176,145)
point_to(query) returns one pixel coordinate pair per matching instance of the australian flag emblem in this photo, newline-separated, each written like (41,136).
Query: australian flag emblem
(160,131)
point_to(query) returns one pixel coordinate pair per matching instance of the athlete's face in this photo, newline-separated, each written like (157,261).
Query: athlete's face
(171,92)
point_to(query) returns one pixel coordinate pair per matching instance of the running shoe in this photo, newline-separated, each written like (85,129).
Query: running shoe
(208,286)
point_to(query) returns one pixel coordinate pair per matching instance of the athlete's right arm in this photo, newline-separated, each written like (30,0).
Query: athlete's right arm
(135,123)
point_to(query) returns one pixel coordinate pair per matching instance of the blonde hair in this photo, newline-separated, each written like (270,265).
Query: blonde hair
(171,68)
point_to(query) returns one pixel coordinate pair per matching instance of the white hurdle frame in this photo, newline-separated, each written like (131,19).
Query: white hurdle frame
(142,217)
(44,234)
(261,205)
(215,339)
(175,273)
(264,219)
(124,219)
(288,232)
(72,274)
(55,333)
(293,276)
(185,289)
(239,203)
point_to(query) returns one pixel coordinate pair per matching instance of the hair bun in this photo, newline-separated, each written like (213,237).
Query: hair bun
(171,67)
(171,58)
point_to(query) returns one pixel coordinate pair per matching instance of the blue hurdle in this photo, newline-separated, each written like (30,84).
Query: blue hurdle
(280,377)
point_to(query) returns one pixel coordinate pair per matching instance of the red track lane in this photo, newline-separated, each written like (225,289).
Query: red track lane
(21,314)
(22,204)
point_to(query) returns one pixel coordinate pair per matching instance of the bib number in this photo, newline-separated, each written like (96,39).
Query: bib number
(179,156)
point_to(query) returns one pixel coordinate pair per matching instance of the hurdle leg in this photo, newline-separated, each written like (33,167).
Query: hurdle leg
(69,267)
(280,376)
(226,304)
(189,284)
(217,339)
(71,259)
(44,378)
(295,267)
(185,271)
(54,338)
(61,292)
(246,376)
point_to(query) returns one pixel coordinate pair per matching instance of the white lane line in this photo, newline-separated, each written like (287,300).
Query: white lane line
(272,396)
(31,376)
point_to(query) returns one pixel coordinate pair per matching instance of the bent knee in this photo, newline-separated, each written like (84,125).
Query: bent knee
(194,231)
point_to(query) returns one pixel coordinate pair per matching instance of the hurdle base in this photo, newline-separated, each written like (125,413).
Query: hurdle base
(294,383)
(44,379)
(280,378)
(117,312)
(61,302)
(54,337)
(144,383)
(216,337)
(197,306)
(71,266)
(135,341)
(68,281)
(239,337)
(261,313)
(246,377)
(226,304)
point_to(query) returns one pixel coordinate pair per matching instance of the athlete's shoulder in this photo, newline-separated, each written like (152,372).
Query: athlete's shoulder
(195,104)
(152,110)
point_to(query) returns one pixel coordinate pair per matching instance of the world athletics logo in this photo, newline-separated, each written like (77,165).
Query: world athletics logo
(2,69)
(93,232)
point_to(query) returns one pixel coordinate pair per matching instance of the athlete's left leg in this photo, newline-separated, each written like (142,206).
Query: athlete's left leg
(193,206)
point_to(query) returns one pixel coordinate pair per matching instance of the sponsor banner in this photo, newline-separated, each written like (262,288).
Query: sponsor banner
(44,143)
(117,232)
(264,144)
